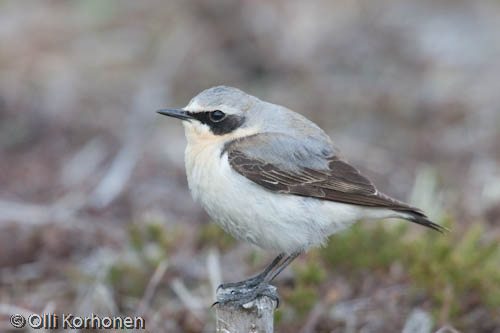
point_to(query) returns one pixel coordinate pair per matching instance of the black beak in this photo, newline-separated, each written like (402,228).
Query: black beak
(181,114)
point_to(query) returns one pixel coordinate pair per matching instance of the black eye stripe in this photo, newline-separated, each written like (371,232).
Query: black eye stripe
(226,125)
(203,117)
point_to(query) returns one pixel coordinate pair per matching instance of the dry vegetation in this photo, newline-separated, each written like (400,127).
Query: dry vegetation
(95,215)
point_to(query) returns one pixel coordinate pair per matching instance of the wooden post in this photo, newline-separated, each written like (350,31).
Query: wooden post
(255,317)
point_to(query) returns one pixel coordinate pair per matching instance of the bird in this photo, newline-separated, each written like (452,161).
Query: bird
(271,177)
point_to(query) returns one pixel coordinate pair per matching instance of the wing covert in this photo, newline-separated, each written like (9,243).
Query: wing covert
(291,173)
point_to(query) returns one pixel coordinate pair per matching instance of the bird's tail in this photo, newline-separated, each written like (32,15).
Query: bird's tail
(416,216)
(411,213)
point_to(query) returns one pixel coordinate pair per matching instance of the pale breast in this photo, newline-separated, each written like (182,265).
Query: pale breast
(270,220)
(210,183)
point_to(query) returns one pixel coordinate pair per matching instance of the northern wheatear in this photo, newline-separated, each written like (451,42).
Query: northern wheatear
(269,176)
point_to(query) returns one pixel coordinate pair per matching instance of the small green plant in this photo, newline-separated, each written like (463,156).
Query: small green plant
(302,299)
(128,279)
(278,316)
(141,234)
(212,234)
(149,244)
(311,272)
(360,248)
(449,268)
(308,276)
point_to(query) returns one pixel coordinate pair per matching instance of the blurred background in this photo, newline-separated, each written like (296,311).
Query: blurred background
(95,213)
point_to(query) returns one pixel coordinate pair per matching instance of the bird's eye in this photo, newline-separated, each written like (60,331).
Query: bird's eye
(217,116)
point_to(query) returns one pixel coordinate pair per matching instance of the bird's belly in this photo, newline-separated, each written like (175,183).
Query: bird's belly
(275,221)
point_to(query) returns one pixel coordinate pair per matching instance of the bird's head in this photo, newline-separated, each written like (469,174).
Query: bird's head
(218,113)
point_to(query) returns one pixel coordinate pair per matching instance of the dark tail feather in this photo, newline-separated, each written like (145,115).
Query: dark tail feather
(411,214)
(420,218)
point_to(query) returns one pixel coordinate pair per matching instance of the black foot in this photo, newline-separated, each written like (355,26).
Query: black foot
(245,284)
(242,296)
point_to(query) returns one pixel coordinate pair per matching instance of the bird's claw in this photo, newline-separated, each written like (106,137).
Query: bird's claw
(272,295)
(242,296)
(245,284)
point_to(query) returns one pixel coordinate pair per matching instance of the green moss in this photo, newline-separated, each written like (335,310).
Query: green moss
(212,234)
(278,316)
(310,272)
(149,244)
(147,233)
(254,259)
(360,248)
(302,299)
(128,279)
(450,268)
(136,237)
(155,232)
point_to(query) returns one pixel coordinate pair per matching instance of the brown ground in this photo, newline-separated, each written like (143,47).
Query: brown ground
(93,196)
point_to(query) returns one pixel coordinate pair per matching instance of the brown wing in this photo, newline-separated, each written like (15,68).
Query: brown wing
(340,183)
(313,170)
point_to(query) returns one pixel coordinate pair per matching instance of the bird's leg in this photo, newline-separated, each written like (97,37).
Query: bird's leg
(261,287)
(283,265)
(255,280)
